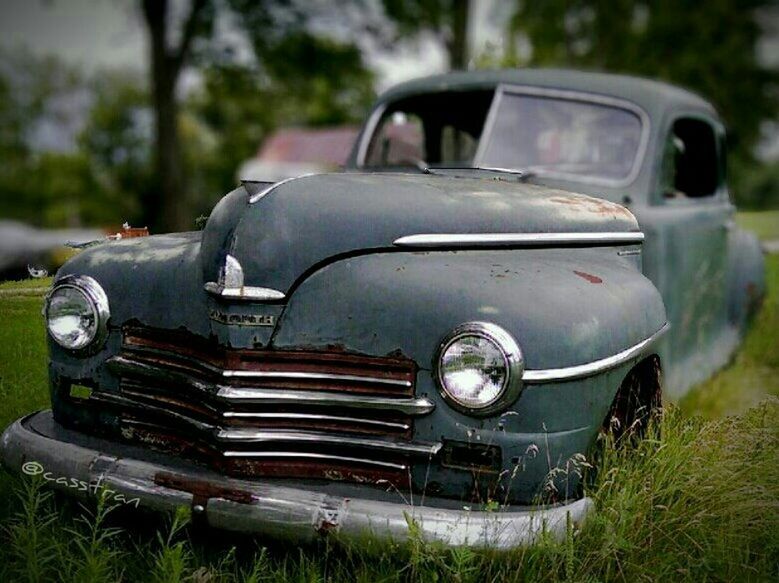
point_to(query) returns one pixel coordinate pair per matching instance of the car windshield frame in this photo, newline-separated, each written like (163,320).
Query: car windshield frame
(374,122)
(574,96)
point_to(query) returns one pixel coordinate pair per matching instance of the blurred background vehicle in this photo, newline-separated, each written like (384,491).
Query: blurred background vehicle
(294,151)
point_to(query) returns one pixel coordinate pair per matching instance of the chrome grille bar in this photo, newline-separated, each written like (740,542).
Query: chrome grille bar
(324,457)
(255,436)
(312,376)
(409,406)
(315,417)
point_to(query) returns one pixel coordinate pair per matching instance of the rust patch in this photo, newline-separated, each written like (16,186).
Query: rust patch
(202,490)
(588,276)
(593,205)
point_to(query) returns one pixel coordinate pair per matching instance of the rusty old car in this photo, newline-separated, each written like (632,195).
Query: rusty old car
(510,264)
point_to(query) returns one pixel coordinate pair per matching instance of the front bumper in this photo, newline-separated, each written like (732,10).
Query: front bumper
(82,465)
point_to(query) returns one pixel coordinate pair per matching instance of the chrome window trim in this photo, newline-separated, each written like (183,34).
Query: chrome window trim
(367,135)
(571,373)
(268,436)
(512,355)
(570,95)
(95,294)
(517,239)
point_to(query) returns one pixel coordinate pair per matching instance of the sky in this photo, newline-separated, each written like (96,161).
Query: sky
(93,34)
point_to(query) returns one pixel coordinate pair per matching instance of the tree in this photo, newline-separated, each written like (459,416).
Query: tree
(166,64)
(448,20)
(710,48)
(302,80)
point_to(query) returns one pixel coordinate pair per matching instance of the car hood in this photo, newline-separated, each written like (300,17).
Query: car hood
(280,234)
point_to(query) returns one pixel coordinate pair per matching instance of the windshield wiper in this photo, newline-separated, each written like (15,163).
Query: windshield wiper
(518,173)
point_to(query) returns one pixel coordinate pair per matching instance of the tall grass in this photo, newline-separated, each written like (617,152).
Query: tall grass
(696,500)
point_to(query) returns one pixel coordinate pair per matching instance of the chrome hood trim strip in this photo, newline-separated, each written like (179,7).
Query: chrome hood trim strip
(552,375)
(255,197)
(517,239)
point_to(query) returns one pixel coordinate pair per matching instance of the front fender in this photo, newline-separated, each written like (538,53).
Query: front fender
(564,306)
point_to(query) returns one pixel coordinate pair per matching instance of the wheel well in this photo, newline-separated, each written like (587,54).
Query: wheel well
(638,399)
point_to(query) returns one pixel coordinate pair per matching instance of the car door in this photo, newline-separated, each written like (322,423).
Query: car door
(687,225)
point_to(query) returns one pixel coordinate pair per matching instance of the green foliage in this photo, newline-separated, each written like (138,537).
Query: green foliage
(303,80)
(710,48)
(116,139)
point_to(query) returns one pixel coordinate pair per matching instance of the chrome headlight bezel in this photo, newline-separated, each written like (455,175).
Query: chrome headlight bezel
(97,300)
(513,361)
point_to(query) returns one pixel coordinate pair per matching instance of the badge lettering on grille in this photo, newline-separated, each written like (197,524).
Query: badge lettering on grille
(242,319)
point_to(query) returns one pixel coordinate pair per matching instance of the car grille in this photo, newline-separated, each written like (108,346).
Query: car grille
(313,414)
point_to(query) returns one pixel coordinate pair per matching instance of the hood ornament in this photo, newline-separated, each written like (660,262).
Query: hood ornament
(230,285)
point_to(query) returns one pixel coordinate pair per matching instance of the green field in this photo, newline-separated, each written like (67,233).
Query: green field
(701,502)
(764,223)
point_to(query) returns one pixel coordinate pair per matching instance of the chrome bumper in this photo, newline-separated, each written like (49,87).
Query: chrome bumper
(265,507)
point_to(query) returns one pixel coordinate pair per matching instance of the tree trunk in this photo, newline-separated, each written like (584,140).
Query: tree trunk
(167,206)
(458,43)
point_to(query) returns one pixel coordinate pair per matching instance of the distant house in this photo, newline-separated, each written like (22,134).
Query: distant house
(294,151)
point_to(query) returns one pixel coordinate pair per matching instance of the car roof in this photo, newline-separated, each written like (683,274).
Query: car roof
(654,97)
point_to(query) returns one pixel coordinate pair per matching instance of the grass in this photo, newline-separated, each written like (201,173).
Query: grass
(764,223)
(697,501)
(754,372)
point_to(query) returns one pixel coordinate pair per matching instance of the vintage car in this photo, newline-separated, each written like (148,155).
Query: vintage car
(435,337)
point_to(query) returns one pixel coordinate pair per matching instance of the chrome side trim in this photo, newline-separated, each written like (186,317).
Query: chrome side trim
(315,417)
(314,456)
(251,374)
(517,239)
(589,369)
(247,293)
(255,197)
(409,406)
(260,436)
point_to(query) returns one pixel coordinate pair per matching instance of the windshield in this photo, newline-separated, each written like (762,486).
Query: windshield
(558,136)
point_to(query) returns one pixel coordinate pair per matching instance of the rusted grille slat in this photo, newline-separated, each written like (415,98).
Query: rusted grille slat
(296,413)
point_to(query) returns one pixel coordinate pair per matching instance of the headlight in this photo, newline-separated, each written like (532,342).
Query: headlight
(77,312)
(480,368)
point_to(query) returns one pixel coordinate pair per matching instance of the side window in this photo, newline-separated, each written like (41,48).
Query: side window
(691,162)
(399,141)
